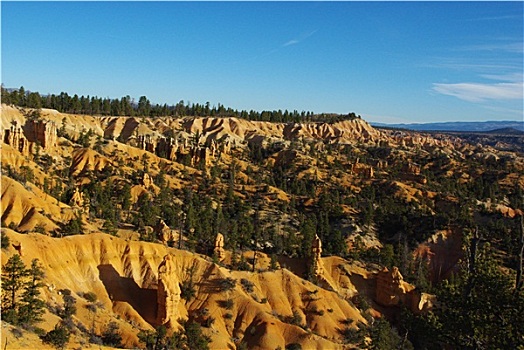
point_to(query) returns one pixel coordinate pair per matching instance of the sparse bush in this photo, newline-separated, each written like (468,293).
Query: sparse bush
(111,335)
(39,229)
(247,285)
(361,303)
(296,319)
(354,336)
(91,307)
(69,305)
(227,284)
(203,312)
(90,296)
(17,332)
(95,339)
(294,346)
(314,310)
(69,323)
(227,304)
(208,322)
(347,321)
(81,327)
(228,316)
(53,308)
(242,346)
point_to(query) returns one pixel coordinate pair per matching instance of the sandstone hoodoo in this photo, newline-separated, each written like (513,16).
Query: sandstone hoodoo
(79,203)
(234,231)
(316,250)
(168,294)
(219,247)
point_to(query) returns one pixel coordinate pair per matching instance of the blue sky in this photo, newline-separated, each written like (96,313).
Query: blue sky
(389,62)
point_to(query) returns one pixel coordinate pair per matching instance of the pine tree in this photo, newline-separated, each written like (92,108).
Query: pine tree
(479,308)
(14,273)
(32,307)
(196,340)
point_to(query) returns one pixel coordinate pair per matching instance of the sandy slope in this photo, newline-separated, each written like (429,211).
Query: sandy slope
(124,275)
(27,206)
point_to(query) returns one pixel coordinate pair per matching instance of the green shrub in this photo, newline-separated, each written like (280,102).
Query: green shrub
(187,290)
(4,241)
(57,337)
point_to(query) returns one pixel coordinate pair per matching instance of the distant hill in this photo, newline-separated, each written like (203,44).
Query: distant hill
(506,131)
(459,126)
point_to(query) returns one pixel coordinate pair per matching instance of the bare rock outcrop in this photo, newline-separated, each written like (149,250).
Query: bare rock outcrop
(147,181)
(411,168)
(147,143)
(168,293)
(392,290)
(363,170)
(163,232)
(18,248)
(167,147)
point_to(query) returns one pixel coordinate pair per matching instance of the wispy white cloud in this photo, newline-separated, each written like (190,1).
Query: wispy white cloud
(480,65)
(299,39)
(479,92)
(512,77)
(495,18)
(515,47)
(290,42)
(507,111)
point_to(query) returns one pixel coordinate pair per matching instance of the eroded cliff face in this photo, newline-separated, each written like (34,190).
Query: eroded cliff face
(42,132)
(14,136)
(204,139)
(24,138)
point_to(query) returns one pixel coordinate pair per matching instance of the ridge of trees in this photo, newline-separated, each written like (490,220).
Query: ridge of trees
(128,106)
